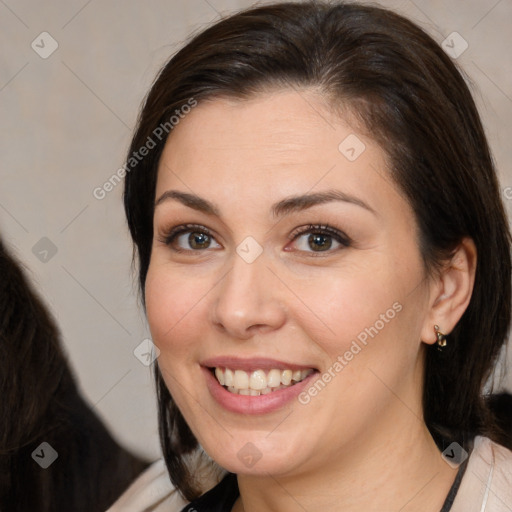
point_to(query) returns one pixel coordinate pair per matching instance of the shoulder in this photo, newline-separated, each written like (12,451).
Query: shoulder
(153,491)
(487,482)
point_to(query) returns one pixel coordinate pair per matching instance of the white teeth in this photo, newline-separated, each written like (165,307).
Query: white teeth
(286,377)
(273,378)
(220,376)
(258,383)
(228,377)
(241,380)
(258,380)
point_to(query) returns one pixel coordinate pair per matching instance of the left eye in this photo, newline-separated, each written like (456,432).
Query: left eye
(320,239)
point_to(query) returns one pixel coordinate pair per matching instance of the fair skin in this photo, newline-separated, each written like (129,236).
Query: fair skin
(360,443)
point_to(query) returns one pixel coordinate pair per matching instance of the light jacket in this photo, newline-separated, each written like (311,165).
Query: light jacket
(485,487)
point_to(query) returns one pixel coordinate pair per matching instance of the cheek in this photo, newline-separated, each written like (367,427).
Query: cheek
(342,306)
(175,314)
(173,307)
(376,322)
(370,335)
(367,325)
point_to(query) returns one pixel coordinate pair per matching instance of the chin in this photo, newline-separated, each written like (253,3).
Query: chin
(258,454)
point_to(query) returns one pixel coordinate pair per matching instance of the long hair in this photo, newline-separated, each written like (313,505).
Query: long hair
(40,403)
(413,101)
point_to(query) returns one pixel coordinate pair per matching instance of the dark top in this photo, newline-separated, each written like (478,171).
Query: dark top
(223,496)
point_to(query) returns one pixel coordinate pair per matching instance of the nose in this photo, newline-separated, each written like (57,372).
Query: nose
(248,300)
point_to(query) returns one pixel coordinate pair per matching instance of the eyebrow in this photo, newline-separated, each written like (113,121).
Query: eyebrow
(283,207)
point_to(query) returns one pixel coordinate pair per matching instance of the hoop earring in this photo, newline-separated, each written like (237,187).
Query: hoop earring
(441,338)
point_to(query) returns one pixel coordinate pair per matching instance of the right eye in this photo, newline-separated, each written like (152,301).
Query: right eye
(189,237)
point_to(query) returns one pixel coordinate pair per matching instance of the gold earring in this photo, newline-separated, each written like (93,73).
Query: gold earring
(441,338)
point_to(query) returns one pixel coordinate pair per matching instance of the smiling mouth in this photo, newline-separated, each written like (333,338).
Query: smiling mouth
(258,382)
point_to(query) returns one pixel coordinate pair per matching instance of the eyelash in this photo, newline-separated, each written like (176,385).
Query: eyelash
(169,236)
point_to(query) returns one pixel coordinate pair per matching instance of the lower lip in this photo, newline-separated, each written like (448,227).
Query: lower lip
(245,404)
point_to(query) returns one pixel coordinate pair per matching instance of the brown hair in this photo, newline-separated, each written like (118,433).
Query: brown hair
(41,402)
(414,102)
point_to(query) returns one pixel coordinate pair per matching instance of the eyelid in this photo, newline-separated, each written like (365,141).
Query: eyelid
(185,227)
(338,235)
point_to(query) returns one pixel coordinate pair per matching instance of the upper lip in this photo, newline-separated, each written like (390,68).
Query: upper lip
(251,364)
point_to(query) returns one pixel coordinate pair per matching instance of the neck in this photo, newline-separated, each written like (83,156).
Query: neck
(395,467)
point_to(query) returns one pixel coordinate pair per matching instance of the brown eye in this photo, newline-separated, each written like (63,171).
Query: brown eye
(192,238)
(198,240)
(319,242)
(319,238)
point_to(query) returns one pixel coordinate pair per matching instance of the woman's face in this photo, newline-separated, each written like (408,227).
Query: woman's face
(281,248)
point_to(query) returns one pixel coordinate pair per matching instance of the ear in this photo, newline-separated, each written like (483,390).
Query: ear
(450,291)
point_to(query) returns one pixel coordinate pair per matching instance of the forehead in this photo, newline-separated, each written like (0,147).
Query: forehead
(274,144)
(285,120)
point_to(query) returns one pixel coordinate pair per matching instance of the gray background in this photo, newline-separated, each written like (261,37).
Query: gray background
(66,122)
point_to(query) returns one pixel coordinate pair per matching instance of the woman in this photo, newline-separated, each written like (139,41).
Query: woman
(324,261)
(55,454)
